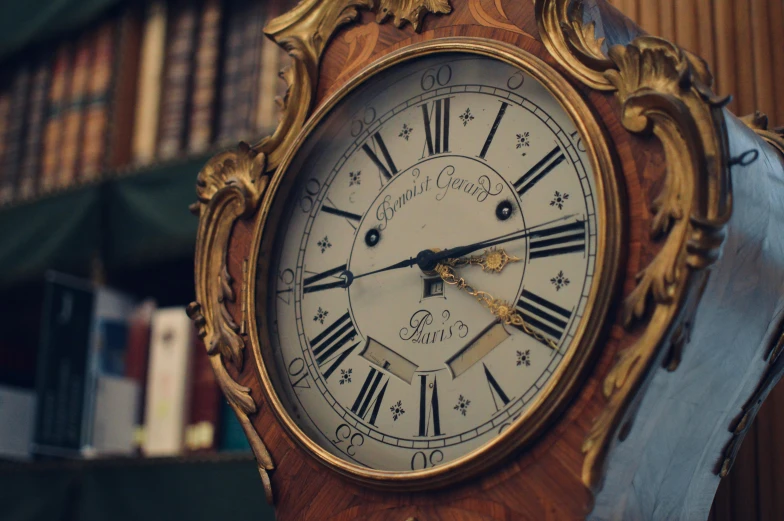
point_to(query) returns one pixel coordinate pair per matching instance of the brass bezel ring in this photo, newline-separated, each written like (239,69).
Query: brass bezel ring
(572,370)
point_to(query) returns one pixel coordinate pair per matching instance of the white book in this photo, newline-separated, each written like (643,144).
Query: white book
(17,417)
(168,382)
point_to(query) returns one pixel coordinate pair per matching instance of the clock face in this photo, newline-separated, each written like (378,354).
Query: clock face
(395,369)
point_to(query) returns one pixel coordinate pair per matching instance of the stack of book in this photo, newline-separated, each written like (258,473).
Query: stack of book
(115,377)
(144,84)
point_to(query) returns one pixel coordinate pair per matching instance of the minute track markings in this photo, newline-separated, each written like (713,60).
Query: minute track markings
(513,101)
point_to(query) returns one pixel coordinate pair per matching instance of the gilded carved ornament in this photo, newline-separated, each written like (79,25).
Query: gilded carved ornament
(664,91)
(232,185)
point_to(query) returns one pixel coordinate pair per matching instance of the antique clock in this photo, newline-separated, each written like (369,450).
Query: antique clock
(500,260)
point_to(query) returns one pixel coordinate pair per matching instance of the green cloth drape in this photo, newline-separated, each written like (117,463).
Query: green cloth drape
(26,21)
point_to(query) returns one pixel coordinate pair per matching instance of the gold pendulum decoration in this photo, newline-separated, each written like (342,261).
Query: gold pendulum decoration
(495,261)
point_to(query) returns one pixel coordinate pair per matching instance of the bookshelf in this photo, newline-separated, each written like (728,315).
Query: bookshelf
(114,208)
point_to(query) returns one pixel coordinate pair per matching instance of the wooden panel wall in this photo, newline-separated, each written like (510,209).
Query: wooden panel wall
(743,43)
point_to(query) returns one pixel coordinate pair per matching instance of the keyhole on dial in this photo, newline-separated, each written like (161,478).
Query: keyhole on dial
(372,237)
(504,210)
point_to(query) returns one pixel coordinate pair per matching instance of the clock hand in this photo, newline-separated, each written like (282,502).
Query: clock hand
(498,307)
(428,259)
(491,260)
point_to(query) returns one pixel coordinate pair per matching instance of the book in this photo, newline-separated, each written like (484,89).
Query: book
(168,382)
(270,86)
(123,87)
(17,417)
(148,96)
(96,103)
(54,121)
(137,354)
(205,78)
(62,365)
(73,116)
(5,113)
(177,78)
(14,137)
(80,385)
(229,117)
(247,88)
(31,161)
(205,398)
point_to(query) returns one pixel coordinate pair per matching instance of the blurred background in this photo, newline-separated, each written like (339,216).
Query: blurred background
(108,108)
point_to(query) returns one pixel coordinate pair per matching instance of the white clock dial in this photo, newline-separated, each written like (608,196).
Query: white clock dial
(396,370)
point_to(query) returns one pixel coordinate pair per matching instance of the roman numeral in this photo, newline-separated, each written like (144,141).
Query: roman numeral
(554,158)
(309,284)
(565,238)
(428,413)
(342,213)
(496,123)
(371,395)
(330,341)
(496,392)
(387,169)
(436,129)
(543,315)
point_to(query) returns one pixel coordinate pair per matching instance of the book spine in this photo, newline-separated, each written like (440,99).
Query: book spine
(122,91)
(31,162)
(229,114)
(14,145)
(96,111)
(63,360)
(248,87)
(148,104)
(205,77)
(137,356)
(73,118)
(177,79)
(5,116)
(269,82)
(204,411)
(168,382)
(54,124)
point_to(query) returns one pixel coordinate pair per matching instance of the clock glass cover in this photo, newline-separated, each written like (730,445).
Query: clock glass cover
(398,370)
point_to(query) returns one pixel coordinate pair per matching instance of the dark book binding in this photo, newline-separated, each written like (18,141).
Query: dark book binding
(54,122)
(229,117)
(39,96)
(205,77)
(73,117)
(96,101)
(177,81)
(62,378)
(14,140)
(5,115)
(124,84)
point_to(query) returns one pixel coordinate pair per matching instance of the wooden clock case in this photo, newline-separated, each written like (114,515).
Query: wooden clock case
(691,344)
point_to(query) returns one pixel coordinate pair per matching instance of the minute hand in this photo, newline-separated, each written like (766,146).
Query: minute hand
(427,262)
